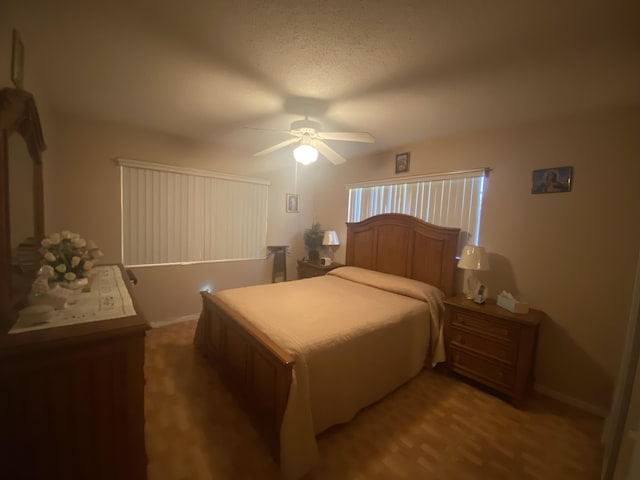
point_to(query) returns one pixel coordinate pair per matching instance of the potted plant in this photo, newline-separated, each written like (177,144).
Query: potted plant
(313,242)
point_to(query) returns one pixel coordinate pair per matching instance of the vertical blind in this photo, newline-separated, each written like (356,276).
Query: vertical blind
(447,199)
(176,215)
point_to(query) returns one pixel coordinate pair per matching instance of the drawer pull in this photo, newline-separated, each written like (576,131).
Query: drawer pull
(459,339)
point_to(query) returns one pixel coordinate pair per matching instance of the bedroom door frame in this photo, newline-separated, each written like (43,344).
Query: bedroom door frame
(616,426)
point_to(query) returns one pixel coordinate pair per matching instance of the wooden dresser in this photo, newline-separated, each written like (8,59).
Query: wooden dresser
(308,270)
(72,398)
(492,345)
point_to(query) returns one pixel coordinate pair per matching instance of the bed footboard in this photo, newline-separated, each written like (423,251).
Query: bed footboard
(257,370)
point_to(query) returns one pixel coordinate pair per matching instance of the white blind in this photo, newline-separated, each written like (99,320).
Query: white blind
(174,215)
(447,199)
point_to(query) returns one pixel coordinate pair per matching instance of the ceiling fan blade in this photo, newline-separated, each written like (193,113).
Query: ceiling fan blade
(272,130)
(347,136)
(276,147)
(331,155)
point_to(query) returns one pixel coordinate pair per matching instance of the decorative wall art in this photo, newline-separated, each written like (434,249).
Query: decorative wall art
(293,203)
(17,60)
(552,180)
(402,162)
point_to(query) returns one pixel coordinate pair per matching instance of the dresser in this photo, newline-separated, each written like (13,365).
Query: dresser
(491,345)
(72,401)
(307,269)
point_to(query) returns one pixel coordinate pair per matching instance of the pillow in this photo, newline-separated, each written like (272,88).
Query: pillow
(391,283)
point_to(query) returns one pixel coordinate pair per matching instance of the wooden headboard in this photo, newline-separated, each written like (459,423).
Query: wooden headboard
(405,246)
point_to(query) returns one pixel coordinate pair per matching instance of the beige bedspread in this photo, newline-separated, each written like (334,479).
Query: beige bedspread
(356,335)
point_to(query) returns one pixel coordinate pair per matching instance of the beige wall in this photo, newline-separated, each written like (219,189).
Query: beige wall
(571,254)
(82,190)
(84,193)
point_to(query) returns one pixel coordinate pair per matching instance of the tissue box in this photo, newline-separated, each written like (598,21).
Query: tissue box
(509,303)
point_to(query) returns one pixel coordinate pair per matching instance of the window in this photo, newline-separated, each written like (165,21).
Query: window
(178,215)
(448,199)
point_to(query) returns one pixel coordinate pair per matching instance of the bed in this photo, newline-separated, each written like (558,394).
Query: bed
(302,356)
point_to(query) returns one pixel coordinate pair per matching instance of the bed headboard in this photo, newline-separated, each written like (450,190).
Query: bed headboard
(405,246)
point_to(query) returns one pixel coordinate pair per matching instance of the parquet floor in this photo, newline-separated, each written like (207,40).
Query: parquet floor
(434,427)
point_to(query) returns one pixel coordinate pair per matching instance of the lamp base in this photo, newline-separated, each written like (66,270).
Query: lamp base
(470,284)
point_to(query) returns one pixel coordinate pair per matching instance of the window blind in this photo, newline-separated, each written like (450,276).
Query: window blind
(178,215)
(446,199)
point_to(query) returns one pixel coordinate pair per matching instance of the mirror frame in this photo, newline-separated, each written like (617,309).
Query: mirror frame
(18,113)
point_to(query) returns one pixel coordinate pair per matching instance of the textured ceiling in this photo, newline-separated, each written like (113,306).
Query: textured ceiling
(404,71)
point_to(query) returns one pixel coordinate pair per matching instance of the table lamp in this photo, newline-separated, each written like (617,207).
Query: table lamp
(330,240)
(472,259)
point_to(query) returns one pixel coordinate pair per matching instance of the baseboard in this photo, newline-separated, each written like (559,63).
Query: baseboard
(171,321)
(569,400)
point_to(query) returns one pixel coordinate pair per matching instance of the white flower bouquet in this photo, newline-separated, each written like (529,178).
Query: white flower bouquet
(68,257)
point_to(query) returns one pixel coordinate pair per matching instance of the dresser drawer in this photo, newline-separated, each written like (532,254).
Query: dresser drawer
(502,351)
(489,326)
(486,370)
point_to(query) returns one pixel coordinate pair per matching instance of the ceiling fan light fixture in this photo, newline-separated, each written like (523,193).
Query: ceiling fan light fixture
(310,138)
(305,154)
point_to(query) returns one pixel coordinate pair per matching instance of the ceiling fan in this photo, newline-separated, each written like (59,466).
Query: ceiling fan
(311,138)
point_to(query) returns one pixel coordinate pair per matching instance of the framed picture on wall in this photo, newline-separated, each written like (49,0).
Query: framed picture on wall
(293,203)
(552,180)
(17,60)
(402,162)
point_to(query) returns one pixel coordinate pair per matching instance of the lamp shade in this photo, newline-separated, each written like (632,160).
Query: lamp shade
(330,238)
(305,154)
(473,258)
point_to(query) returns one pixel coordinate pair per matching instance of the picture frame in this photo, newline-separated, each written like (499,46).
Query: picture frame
(552,180)
(292,203)
(402,162)
(17,60)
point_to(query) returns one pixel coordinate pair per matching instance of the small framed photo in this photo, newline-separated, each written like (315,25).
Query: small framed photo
(402,162)
(17,60)
(552,180)
(293,203)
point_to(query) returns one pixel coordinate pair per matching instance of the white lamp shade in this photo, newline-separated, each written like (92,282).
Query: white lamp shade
(330,238)
(305,154)
(473,258)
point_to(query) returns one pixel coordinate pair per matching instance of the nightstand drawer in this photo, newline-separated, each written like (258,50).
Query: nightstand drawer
(489,326)
(502,351)
(311,273)
(309,270)
(486,370)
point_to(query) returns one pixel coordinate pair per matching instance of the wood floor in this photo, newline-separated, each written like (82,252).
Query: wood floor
(434,427)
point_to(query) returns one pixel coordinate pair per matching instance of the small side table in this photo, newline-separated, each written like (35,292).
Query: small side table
(279,261)
(492,345)
(307,269)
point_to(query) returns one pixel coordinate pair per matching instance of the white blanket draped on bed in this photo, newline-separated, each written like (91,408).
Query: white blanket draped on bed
(356,335)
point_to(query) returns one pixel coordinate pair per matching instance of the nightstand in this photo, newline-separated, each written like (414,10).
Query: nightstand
(308,270)
(491,345)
